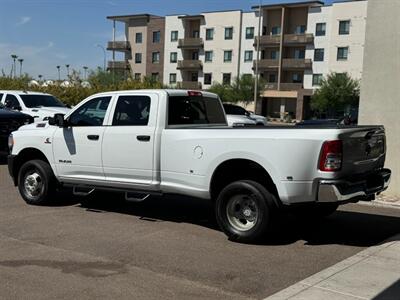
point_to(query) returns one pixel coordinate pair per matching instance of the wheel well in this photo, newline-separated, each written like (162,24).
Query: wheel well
(24,156)
(240,169)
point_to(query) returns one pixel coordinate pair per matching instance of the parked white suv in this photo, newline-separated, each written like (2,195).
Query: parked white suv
(38,105)
(237,113)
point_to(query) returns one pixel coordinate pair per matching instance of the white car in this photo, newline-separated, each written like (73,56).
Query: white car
(38,105)
(144,142)
(236,112)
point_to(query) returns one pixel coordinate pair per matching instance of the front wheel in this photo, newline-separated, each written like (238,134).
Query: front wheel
(36,182)
(243,211)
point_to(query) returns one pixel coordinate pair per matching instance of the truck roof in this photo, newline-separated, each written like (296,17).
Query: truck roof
(23,92)
(171,92)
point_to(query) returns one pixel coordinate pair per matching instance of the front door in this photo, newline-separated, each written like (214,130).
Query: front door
(77,148)
(129,139)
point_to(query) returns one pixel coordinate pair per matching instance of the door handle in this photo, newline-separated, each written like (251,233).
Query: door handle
(143,138)
(93,137)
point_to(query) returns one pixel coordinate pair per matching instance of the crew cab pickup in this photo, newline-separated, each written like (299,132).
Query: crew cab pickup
(149,142)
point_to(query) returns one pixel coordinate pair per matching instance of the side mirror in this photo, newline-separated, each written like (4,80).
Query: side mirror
(58,120)
(17,107)
(247,114)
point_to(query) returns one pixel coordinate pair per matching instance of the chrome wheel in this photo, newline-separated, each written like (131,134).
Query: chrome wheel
(33,184)
(242,212)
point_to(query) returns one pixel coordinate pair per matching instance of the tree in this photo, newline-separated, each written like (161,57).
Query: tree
(338,92)
(241,90)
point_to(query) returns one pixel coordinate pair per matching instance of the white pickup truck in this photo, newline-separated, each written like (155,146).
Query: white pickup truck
(148,142)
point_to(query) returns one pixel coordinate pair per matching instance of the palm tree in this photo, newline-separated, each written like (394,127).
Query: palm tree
(85,68)
(20,66)
(67,66)
(58,70)
(14,57)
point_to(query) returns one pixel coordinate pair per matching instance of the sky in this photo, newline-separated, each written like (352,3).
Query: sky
(47,33)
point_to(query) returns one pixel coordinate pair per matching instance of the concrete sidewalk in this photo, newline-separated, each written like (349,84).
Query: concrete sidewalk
(371,274)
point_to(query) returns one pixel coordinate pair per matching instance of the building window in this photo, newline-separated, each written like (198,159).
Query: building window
(317,79)
(138,58)
(272,78)
(209,34)
(296,78)
(226,78)
(299,54)
(207,78)
(344,27)
(274,54)
(155,57)
(249,33)
(155,76)
(174,36)
(319,54)
(300,29)
(173,57)
(320,29)
(228,56)
(172,78)
(156,36)
(138,38)
(228,33)
(276,30)
(208,56)
(342,53)
(248,55)
(138,76)
(195,34)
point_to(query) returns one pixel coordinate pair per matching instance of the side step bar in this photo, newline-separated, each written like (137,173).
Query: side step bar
(135,197)
(82,191)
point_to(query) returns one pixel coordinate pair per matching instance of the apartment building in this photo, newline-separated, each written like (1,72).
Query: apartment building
(142,47)
(299,44)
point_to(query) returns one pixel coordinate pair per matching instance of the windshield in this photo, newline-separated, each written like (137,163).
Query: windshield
(31,101)
(234,110)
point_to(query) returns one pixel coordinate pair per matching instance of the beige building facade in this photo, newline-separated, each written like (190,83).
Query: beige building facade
(379,103)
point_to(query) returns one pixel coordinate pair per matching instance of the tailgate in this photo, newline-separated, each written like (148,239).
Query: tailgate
(364,149)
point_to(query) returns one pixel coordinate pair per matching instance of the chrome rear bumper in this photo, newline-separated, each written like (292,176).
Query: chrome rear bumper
(352,190)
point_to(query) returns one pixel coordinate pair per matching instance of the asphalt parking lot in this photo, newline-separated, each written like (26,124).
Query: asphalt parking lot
(165,248)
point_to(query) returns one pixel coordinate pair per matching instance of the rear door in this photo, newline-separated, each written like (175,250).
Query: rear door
(129,139)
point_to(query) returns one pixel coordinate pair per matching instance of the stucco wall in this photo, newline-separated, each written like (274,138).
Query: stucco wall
(379,103)
(249,19)
(135,26)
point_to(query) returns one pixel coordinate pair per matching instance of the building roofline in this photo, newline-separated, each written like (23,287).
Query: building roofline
(135,16)
(188,17)
(221,11)
(291,4)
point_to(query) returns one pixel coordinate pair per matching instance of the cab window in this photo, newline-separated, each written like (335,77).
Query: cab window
(132,111)
(92,113)
(12,102)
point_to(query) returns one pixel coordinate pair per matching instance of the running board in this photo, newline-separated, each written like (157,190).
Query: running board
(82,191)
(135,197)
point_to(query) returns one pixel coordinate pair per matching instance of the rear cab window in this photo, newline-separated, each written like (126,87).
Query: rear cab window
(184,110)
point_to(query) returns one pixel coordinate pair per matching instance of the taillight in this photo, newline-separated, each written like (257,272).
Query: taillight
(331,156)
(194,94)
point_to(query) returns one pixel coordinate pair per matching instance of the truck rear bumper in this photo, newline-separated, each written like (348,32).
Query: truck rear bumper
(344,190)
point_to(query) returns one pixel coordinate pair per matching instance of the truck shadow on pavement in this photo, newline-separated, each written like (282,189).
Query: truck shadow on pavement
(353,228)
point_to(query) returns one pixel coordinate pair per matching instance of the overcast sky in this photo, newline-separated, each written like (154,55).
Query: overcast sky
(47,33)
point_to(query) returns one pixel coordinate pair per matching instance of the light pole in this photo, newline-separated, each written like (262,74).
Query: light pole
(20,66)
(14,57)
(85,71)
(59,76)
(257,58)
(67,66)
(40,77)
(104,56)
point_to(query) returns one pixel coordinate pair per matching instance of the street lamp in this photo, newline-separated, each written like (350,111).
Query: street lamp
(20,66)
(104,56)
(85,71)
(58,70)
(67,66)
(40,77)
(14,57)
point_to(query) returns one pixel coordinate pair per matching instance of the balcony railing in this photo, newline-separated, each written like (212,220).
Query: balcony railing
(189,65)
(190,43)
(264,64)
(189,85)
(288,40)
(294,63)
(284,86)
(119,46)
(124,65)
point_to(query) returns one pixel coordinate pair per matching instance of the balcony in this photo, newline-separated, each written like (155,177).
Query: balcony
(119,46)
(296,64)
(267,64)
(288,40)
(190,43)
(289,86)
(122,65)
(189,85)
(298,39)
(190,65)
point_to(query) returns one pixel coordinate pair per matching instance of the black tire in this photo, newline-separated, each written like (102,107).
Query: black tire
(44,177)
(255,215)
